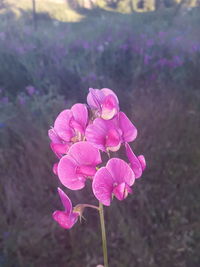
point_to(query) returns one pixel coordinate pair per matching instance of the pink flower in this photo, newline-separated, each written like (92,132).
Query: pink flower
(138,164)
(78,165)
(68,217)
(58,145)
(71,123)
(109,134)
(69,127)
(114,179)
(104,102)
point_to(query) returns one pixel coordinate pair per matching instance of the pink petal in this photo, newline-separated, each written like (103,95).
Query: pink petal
(65,201)
(87,171)
(60,149)
(77,128)
(85,154)
(54,136)
(128,129)
(95,98)
(80,115)
(102,186)
(109,107)
(134,161)
(96,133)
(62,125)
(142,162)
(64,220)
(104,134)
(67,173)
(55,168)
(121,191)
(120,171)
(107,91)
(113,140)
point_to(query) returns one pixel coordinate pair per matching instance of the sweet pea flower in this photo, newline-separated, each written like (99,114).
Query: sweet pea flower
(109,134)
(69,127)
(71,123)
(58,145)
(114,179)
(104,102)
(78,165)
(138,164)
(68,217)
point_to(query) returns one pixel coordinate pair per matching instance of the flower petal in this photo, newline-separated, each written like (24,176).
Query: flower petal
(80,115)
(95,98)
(67,173)
(134,161)
(103,186)
(121,191)
(96,133)
(113,139)
(55,168)
(87,171)
(62,125)
(120,171)
(64,220)
(107,91)
(109,107)
(142,160)
(54,136)
(85,154)
(65,201)
(60,149)
(104,134)
(128,129)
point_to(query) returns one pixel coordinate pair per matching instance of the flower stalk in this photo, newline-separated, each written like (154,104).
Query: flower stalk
(103,233)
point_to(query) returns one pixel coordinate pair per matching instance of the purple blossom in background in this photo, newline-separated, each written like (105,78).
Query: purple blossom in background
(147,59)
(4,100)
(150,42)
(124,46)
(21,99)
(21,50)
(2,125)
(178,61)
(100,48)
(153,77)
(177,39)
(86,45)
(195,47)
(30,90)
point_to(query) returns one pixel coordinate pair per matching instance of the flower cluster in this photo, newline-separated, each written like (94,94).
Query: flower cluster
(79,137)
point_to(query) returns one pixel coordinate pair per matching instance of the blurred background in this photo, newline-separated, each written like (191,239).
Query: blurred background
(148,52)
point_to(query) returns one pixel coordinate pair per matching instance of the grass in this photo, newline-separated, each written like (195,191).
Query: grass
(159,224)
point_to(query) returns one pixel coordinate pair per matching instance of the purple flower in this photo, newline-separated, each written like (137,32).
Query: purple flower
(104,102)
(114,179)
(78,165)
(30,90)
(109,134)
(138,164)
(68,217)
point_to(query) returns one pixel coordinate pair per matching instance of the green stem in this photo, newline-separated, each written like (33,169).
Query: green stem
(103,233)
